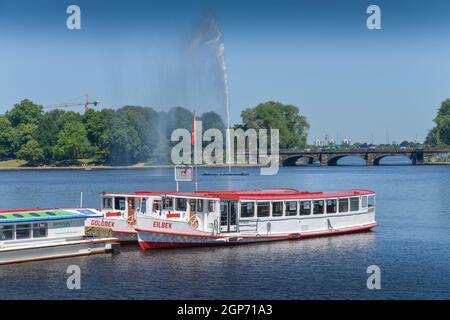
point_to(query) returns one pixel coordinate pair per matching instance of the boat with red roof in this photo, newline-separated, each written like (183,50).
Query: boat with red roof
(183,219)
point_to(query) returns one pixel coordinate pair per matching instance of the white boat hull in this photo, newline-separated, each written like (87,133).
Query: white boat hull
(180,234)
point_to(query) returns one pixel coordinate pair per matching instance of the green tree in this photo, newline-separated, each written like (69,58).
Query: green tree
(6,142)
(122,141)
(32,152)
(47,133)
(212,120)
(292,126)
(440,134)
(25,112)
(72,143)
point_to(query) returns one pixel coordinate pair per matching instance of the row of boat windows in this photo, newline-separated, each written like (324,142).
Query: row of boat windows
(23,231)
(180,204)
(307,207)
(177,204)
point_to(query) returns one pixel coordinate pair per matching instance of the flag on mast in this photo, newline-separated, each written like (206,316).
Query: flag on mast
(194,128)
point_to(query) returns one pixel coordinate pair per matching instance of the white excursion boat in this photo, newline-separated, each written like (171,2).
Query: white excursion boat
(119,211)
(182,219)
(38,234)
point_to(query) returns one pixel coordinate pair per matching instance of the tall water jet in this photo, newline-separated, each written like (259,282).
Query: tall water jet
(209,35)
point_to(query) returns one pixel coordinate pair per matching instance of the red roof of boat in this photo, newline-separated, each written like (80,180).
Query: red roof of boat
(268,194)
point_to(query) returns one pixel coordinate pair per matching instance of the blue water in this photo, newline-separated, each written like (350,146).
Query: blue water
(411,246)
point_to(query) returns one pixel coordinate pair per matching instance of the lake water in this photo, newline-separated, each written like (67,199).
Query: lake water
(411,246)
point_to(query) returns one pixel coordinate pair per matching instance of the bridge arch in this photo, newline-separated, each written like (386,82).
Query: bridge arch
(377,160)
(292,161)
(333,161)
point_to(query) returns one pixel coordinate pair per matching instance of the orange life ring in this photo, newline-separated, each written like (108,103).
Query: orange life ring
(193,222)
(131,220)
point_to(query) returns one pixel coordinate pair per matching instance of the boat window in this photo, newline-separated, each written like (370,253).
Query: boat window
(211,206)
(156,205)
(371,201)
(168,203)
(364,201)
(263,209)
(23,231)
(49,213)
(354,204)
(305,208)
(277,209)
(2,217)
(34,214)
(18,215)
(181,204)
(107,203)
(247,209)
(119,203)
(331,206)
(343,205)
(144,205)
(318,207)
(291,208)
(6,232)
(200,205)
(193,204)
(40,230)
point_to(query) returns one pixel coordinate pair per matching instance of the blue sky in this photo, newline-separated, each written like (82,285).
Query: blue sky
(318,55)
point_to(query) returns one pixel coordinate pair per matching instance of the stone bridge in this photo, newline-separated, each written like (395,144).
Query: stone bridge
(371,156)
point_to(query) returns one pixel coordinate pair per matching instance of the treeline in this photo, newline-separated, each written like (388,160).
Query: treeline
(439,136)
(126,136)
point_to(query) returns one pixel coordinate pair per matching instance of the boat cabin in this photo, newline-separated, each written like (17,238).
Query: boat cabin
(18,227)
(240,210)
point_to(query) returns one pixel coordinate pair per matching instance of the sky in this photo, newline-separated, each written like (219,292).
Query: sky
(349,81)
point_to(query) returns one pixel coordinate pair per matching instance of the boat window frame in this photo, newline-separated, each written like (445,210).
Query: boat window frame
(143,205)
(12,230)
(313,206)
(365,199)
(177,201)
(335,205)
(257,208)
(33,228)
(286,206)
(211,204)
(200,205)
(371,204)
(282,209)
(300,205)
(154,209)
(339,205)
(170,205)
(22,228)
(350,207)
(124,201)
(111,206)
(254,209)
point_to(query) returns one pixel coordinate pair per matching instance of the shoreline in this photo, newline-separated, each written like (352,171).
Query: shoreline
(133,167)
(155,166)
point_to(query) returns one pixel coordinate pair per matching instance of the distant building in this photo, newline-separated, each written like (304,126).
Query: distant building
(346,141)
(318,143)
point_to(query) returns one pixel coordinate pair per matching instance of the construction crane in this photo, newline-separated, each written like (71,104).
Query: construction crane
(86,103)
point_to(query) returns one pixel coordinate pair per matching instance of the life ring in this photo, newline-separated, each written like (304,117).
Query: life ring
(131,220)
(193,222)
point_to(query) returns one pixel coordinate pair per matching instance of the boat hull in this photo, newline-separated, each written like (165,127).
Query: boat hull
(152,239)
(117,228)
